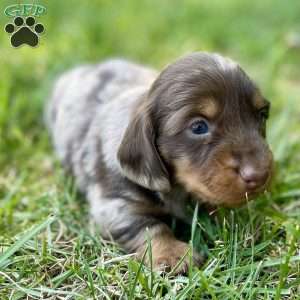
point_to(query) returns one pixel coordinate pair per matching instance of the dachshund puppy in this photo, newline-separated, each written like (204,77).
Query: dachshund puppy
(141,143)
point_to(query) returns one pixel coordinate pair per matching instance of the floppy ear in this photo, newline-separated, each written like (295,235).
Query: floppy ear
(138,155)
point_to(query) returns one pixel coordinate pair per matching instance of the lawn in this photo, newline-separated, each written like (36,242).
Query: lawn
(48,247)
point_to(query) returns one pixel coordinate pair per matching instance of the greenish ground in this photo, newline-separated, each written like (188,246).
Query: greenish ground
(48,250)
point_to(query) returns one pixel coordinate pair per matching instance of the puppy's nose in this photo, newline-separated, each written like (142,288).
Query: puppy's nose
(252,177)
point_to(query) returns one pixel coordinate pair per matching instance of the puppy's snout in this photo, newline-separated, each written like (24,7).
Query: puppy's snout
(253,168)
(252,177)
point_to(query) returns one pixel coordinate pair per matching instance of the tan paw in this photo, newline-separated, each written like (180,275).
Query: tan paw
(171,255)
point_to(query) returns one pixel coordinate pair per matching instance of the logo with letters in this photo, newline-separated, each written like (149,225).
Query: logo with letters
(24,28)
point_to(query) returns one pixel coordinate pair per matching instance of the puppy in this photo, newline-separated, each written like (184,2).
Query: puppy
(140,143)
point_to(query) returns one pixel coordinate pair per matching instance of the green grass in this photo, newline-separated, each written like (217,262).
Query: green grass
(49,249)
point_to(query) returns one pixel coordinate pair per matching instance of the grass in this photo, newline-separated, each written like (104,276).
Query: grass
(49,249)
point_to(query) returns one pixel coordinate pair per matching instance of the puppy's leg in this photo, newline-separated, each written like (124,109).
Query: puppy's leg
(129,224)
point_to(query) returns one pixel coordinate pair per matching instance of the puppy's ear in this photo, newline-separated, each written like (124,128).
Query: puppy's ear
(138,155)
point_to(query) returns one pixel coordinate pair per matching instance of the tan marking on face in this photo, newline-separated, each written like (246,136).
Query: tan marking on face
(191,180)
(225,186)
(208,107)
(259,101)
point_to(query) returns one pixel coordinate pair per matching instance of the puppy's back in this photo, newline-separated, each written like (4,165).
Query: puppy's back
(79,93)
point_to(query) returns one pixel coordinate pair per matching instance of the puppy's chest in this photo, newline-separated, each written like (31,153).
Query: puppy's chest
(175,203)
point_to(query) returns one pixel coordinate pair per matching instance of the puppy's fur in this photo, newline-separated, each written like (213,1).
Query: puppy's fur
(125,132)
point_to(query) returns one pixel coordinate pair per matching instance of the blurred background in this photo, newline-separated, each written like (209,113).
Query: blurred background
(264,36)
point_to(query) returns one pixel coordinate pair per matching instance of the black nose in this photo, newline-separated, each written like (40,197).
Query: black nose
(252,177)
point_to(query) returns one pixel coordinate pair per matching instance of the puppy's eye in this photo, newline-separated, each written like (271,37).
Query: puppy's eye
(264,113)
(199,127)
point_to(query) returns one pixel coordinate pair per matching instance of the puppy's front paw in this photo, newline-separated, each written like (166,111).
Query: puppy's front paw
(169,254)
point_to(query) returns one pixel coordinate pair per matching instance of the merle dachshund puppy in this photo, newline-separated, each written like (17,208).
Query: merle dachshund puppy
(139,143)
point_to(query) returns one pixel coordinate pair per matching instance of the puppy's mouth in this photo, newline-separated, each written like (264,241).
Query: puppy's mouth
(220,186)
(230,191)
(229,196)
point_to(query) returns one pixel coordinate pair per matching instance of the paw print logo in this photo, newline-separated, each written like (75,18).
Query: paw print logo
(24,31)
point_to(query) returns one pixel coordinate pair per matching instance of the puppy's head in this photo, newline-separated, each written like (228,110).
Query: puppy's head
(202,125)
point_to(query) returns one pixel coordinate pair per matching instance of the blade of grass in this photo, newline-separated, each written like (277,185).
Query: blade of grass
(137,275)
(31,233)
